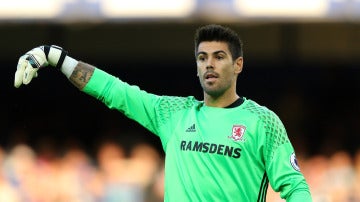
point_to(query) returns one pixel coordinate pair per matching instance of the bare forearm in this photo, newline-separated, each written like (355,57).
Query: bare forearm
(81,74)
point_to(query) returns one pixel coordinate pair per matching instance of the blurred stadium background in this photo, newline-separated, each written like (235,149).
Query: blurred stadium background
(302,60)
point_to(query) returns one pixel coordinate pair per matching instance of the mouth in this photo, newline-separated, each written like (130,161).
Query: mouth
(211,76)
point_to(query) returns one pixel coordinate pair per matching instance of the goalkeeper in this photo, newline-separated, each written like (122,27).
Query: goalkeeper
(223,148)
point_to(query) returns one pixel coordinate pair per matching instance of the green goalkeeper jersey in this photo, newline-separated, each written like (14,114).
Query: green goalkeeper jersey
(212,154)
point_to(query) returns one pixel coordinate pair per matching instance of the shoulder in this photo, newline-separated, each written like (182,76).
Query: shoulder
(178,102)
(263,113)
(257,109)
(169,107)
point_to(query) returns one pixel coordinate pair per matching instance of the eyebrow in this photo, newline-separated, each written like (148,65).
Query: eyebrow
(215,53)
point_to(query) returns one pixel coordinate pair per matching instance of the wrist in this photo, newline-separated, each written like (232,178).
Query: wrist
(68,66)
(55,55)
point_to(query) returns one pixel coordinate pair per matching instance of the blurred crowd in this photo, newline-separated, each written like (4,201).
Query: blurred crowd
(113,176)
(137,176)
(332,178)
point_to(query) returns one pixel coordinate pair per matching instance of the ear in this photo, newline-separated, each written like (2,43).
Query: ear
(239,65)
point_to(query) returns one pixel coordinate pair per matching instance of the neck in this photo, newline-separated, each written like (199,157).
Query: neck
(220,101)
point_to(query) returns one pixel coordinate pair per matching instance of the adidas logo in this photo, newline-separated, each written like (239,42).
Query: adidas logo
(191,128)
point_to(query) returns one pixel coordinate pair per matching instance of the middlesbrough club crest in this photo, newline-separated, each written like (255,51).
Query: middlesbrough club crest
(238,132)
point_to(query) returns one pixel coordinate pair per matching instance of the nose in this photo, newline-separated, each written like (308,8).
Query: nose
(209,67)
(209,64)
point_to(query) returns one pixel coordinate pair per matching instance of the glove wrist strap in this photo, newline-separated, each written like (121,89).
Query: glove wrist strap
(55,55)
(61,59)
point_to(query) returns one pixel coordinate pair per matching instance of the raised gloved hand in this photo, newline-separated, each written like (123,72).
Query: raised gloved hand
(39,57)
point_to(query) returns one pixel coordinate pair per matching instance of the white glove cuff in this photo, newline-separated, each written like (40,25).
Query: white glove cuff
(68,66)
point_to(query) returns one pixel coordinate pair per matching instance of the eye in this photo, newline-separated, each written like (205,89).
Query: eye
(219,57)
(201,58)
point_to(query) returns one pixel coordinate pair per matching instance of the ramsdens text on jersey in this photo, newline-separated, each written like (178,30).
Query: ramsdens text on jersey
(210,148)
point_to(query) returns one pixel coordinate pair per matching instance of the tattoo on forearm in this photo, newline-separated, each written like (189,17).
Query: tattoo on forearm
(81,75)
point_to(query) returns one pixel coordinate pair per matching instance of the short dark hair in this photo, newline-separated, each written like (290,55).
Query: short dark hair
(220,33)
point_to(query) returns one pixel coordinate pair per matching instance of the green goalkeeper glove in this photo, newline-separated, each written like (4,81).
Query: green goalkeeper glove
(32,61)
